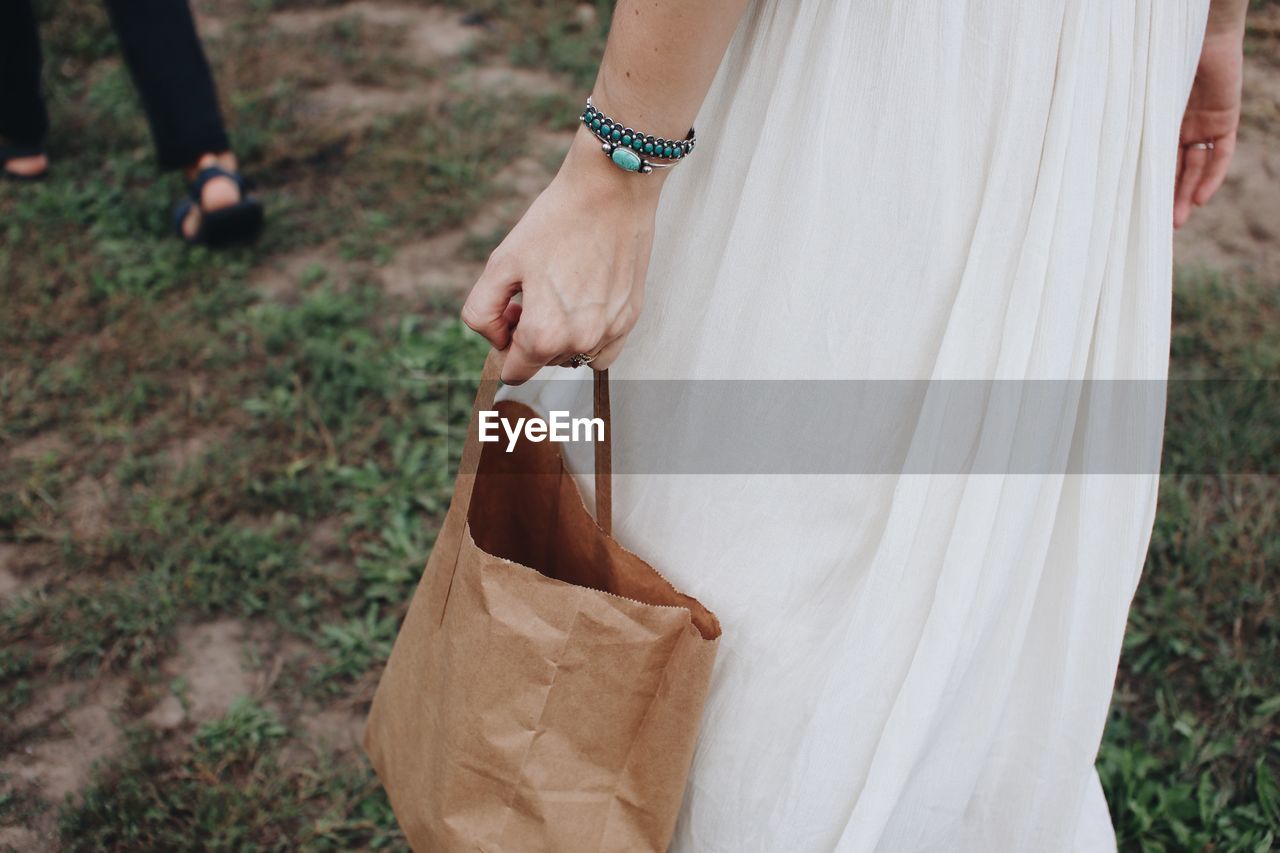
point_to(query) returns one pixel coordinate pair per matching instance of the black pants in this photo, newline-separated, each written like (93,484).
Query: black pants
(163,53)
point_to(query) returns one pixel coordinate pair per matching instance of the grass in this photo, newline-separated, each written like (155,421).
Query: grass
(1191,756)
(212,796)
(184,446)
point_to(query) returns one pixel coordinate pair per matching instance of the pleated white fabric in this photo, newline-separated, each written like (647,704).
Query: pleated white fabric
(910,189)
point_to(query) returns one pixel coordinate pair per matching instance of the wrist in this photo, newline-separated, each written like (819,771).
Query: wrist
(1229,37)
(587,166)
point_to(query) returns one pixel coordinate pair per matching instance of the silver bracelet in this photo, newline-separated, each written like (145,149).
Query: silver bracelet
(630,149)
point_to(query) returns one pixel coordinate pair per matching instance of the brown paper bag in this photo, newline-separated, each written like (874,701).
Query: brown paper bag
(545,690)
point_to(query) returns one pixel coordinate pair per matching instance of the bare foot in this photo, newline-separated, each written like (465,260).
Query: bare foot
(27,167)
(217,193)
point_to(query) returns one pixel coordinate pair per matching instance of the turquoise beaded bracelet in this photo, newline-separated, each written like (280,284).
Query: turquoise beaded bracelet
(629,149)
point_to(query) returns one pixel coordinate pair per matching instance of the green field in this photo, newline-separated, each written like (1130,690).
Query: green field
(220,474)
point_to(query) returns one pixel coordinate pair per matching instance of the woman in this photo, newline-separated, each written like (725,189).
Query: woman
(161,48)
(885,190)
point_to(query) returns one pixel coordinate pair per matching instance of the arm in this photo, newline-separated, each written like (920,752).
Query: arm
(1213,109)
(580,253)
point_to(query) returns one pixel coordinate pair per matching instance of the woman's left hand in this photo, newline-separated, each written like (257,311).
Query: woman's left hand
(578,257)
(1212,117)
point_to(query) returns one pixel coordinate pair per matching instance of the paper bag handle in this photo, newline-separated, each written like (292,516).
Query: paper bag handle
(485,394)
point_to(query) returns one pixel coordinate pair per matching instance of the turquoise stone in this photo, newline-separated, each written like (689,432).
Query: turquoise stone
(648,148)
(666,152)
(596,124)
(625,158)
(637,143)
(626,139)
(616,135)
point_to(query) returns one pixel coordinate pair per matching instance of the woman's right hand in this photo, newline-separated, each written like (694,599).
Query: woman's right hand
(1212,116)
(578,257)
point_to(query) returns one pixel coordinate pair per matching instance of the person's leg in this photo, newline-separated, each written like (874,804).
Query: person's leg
(164,56)
(168,66)
(24,122)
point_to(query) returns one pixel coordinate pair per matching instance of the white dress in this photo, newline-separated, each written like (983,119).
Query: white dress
(910,189)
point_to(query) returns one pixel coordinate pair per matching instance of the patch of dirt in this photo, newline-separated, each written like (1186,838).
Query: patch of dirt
(351,108)
(324,540)
(1236,232)
(197,387)
(431,265)
(525,177)
(183,451)
(509,80)
(281,651)
(23,567)
(210,28)
(10,584)
(430,33)
(87,505)
(339,729)
(217,663)
(210,663)
(439,263)
(213,17)
(77,728)
(37,447)
(19,838)
(281,278)
(167,714)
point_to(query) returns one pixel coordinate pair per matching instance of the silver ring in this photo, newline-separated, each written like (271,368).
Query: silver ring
(1202,146)
(579,359)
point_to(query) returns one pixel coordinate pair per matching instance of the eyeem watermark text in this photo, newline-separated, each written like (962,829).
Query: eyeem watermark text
(558,427)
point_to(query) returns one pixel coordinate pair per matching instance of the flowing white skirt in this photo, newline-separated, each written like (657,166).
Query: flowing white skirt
(910,189)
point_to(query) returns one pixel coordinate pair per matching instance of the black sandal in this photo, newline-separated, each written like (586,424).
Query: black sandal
(9,152)
(238,223)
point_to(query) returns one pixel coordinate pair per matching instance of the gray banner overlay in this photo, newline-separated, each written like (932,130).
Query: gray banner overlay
(915,427)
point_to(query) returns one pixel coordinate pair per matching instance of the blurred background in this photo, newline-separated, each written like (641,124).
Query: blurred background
(221,473)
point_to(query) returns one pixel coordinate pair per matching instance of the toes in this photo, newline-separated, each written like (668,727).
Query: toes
(27,167)
(219,193)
